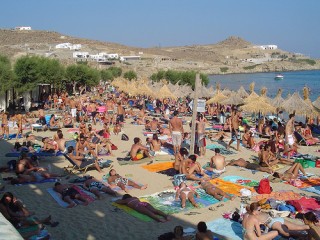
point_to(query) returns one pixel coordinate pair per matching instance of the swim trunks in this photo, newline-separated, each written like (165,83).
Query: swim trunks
(176,138)
(96,185)
(138,157)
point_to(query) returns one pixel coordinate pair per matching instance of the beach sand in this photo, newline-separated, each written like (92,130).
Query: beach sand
(98,220)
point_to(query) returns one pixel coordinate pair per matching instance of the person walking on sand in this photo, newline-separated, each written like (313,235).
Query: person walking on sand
(235,133)
(143,207)
(289,140)
(176,130)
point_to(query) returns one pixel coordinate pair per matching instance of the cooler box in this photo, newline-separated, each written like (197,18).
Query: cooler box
(302,161)
(311,163)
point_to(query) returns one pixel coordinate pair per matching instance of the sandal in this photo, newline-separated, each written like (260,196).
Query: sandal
(220,205)
(54,224)
(212,209)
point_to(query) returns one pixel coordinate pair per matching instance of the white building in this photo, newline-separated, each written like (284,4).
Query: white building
(268,47)
(23,28)
(113,56)
(129,58)
(81,55)
(75,47)
(68,46)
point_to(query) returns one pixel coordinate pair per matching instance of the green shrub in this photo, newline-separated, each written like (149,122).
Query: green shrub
(224,69)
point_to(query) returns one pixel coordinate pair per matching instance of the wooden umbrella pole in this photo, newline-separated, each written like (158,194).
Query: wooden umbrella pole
(194,113)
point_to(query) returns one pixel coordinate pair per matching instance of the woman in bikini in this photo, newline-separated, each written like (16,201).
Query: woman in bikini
(143,207)
(155,143)
(291,174)
(214,191)
(186,193)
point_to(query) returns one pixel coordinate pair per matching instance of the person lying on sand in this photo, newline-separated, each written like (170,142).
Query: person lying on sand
(116,180)
(95,186)
(186,193)
(291,174)
(143,207)
(190,168)
(248,165)
(214,191)
(69,193)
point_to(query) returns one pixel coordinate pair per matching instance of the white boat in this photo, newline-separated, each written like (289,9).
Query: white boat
(278,77)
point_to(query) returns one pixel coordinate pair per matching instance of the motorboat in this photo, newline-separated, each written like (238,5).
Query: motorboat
(278,77)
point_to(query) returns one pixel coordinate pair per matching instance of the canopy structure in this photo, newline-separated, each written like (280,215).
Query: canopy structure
(227,92)
(256,107)
(233,99)
(218,98)
(316,103)
(278,100)
(242,92)
(164,92)
(252,97)
(296,104)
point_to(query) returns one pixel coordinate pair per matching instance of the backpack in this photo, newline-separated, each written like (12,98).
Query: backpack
(124,137)
(264,186)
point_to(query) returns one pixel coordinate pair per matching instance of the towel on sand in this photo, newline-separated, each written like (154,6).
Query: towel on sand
(309,182)
(226,228)
(43,181)
(281,196)
(157,167)
(133,212)
(229,187)
(241,180)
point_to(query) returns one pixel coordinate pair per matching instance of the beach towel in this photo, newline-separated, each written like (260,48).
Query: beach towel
(133,212)
(165,201)
(42,181)
(278,167)
(73,130)
(157,167)
(241,180)
(229,187)
(315,189)
(227,228)
(123,161)
(305,204)
(280,195)
(223,150)
(309,182)
(57,198)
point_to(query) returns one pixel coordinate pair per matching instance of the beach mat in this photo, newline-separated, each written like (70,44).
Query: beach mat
(42,181)
(73,130)
(223,150)
(157,167)
(130,162)
(133,212)
(280,195)
(229,187)
(228,229)
(309,182)
(169,172)
(30,154)
(165,201)
(241,180)
(315,189)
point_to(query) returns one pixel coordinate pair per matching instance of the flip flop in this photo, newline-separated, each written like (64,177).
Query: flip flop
(220,205)
(212,209)
(54,224)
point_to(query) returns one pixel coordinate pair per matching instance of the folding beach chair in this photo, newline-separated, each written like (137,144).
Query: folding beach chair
(75,168)
(301,140)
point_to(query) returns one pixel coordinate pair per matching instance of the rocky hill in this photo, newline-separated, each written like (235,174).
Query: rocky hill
(232,55)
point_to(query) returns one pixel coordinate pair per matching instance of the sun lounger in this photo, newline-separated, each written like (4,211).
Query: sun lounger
(301,140)
(75,168)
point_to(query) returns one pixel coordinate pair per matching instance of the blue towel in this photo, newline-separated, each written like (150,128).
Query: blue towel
(227,228)
(314,189)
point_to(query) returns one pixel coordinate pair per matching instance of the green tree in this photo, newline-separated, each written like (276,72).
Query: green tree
(106,75)
(6,74)
(52,72)
(130,75)
(116,71)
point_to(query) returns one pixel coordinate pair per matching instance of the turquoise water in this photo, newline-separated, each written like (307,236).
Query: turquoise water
(293,81)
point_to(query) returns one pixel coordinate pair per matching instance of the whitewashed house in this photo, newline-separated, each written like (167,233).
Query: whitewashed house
(23,28)
(80,55)
(129,58)
(112,56)
(75,47)
(63,45)
(268,47)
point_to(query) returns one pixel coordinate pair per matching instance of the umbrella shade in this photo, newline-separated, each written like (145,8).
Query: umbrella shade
(252,97)
(297,104)
(145,90)
(277,102)
(233,99)
(316,103)
(242,92)
(219,97)
(164,92)
(255,107)
(226,92)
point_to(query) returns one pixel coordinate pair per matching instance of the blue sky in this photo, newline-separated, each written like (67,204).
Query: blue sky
(293,25)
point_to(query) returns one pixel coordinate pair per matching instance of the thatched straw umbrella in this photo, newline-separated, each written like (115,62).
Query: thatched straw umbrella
(252,97)
(164,92)
(145,90)
(219,97)
(242,92)
(315,111)
(233,99)
(278,100)
(316,103)
(226,92)
(262,107)
(296,104)
(263,94)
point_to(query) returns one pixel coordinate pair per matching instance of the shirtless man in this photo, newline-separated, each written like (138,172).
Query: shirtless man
(69,193)
(289,141)
(83,147)
(201,125)
(67,120)
(73,107)
(61,142)
(235,134)
(190,167)
(95,186)
(120,112)
(80,160)
(4,125)
(217,163)
(19,119)
(248,165)
(154,124)
(138,151)
(176,130)
(93,111)
(116,180)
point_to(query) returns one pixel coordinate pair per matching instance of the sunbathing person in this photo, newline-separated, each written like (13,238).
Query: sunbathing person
(181,156)
(138,151)
(190,168)
(143,207)
(214,191)
(116,180)
(69,193)
(53,122)
(307,134)
(311,220)
(37,175)
(266,157)
(290,174)
(248,139)
(95,186)
(81,162)
(49,145)
(248,165)
(83,147)
(217,163)
(67,120)
(155,143)
(186,193)
(203,232)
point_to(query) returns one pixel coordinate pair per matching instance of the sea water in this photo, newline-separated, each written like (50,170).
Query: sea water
(292,82)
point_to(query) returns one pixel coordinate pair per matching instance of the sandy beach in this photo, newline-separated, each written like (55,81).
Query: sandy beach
(99,220)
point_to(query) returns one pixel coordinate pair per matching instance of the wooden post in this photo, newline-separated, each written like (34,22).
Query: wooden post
(194,113)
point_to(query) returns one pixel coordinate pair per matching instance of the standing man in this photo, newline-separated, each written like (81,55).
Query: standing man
(73,107)
(235,134)
(176,130)
(289,140)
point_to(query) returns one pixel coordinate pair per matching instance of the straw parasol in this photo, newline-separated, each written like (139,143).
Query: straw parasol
(242,92)
(316,103)
(145,90)
(278,100)
(252,97)
(297,104)
(164,92)
(219,97)
(255,107)
(233,99)
(227,92)
(306,91)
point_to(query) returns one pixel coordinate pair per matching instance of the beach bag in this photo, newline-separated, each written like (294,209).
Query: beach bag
(264,186)
(178,179)
(124,137)
(114,147)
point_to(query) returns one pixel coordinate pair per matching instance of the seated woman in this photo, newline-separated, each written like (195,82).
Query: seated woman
(311,220)
(267,159)
(290,174)
(307,134)
(155,143)
(143,207)
(186,193)
(53,122)
(67,120)
(116,180)
(247,139)
(95,186)
(214,191)
(181,156)
(49,145)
